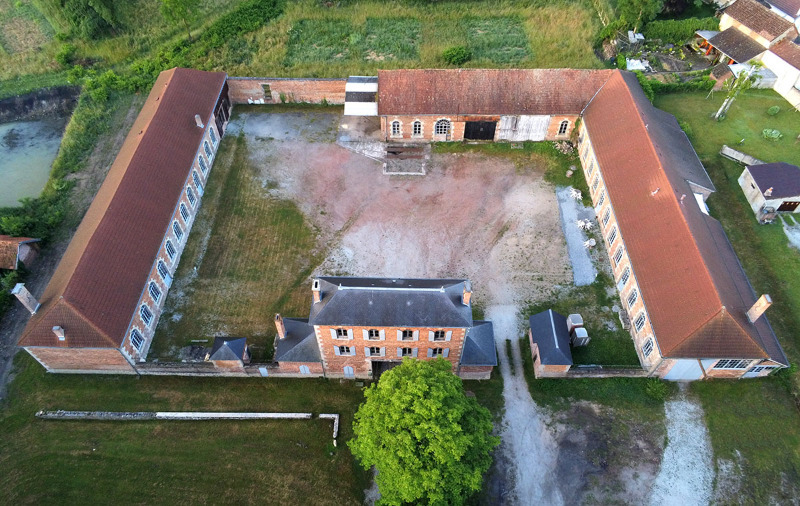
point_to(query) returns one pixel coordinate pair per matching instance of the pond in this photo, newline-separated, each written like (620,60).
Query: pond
(27,150)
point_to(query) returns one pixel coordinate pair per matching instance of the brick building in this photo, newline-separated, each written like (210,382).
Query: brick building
(694,313)
(100,309)
(17,250)
(359,327)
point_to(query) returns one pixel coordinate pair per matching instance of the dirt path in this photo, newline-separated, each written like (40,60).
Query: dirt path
(687,469)
(527,442)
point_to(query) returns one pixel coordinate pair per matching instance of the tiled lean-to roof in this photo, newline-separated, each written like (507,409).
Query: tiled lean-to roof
(97,285)
(693,286)
(759,18)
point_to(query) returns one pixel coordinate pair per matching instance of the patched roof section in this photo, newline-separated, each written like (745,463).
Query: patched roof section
(228,348)
(300,343)
(106,266)
(9,250)
(690,279)
(479,349)
(782,177)
(735,44)
(487,91)
(759,18)
(549,332)
(388,302)
(788,51)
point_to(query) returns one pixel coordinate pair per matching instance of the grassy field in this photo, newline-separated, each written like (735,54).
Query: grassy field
(768,443)
(272,462)
(253,254)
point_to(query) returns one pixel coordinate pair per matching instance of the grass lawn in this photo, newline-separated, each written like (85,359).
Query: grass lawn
(253,254)
(772,266)
(273,462)
(500,40)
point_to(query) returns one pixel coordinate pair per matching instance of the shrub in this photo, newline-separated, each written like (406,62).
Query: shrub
(622,62)
(687,129)
(608,31)
(678,31)
(646,85)
(65,54)
(772,111)
(656,389)
(771,134)
(457,55)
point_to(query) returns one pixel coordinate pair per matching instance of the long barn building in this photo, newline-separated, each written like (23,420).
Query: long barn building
(100,309)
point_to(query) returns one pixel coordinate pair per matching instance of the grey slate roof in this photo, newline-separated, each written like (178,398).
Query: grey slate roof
(549,331)
(389,302)
(735,44)
(479,347)
(227,348)
(783,178)
(300,343)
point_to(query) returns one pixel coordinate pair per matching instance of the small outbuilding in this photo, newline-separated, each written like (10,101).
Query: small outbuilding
(229,353)
(16,250)
(771,188)
(550,344)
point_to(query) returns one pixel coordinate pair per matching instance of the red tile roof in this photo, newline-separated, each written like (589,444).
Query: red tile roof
(788,51)
(790,7)
(694,289)
(487,91)
(759,18)
(95,290)
(9,250)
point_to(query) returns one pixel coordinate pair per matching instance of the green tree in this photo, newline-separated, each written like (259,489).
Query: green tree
(636,13)
(176,11)
(429,442)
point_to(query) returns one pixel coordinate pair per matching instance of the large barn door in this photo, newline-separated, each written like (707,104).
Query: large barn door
(523,128)
(480,130)
(685,370)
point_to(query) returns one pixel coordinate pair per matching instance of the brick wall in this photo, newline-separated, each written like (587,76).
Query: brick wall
(468,372)
(291,368)
(243,89)
(81,360)
(555,126)
(458,125)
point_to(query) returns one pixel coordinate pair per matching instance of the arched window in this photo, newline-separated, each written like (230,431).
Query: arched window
(563,128)
(207,149)
(417,130)
(395,128)
(442,127)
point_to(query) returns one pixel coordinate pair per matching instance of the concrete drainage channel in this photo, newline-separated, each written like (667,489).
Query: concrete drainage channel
(135,416)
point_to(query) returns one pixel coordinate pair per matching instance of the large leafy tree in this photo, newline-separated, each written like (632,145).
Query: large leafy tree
(637,13)
(429,442)
(177,11)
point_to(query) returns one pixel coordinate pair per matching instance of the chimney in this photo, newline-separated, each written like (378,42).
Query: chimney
(761,305)
(467,294)
(315,291)
(59,332)
(653,193)
(198,121)
(768,192)
(280,326)
(24,296)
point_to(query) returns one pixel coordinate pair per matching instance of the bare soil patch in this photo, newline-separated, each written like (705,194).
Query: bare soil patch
(21,34)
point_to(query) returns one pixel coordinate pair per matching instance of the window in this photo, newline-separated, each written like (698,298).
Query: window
(162,270)
(304,369)
(178,230)
(202,162)
(407,335)
(762,368)
(439,335)
(562,129)
(606,216)
(590,171)
(170,250)
(341,333)
(213,135)
(435,352)
(417,129)
(184,213)
(373,334)
(197,182)
(190,196)
(639,322)
(406,352)
(147,315)
(207,149)
(344,350)
(395,128)
(612,236)
(442,127)
(617,256)
(623,280)
(602,199)
(632,298)
(647,349)
(374,351)
(596,183)
(155,291)
(136,339)
(732,364)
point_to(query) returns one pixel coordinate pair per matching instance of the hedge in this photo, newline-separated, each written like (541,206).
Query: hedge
(678,31)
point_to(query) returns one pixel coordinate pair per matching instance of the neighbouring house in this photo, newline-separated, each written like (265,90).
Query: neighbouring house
(229,353)
(754,32)
(483,104)
(788,9)
(771,188)
(550,344)
(16,250)
(100,309)
(694,313)
(360,327)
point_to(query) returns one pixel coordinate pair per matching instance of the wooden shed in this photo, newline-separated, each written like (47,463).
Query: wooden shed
(771,188)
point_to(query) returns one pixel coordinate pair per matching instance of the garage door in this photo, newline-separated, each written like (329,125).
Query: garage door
(480,130)
(685,370)
(523,128)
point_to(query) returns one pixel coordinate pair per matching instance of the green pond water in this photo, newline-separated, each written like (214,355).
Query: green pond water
(27,150)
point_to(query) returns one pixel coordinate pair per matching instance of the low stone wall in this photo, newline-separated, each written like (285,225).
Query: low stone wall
(272,90)
(605,372)
(47,102)
(270,370)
